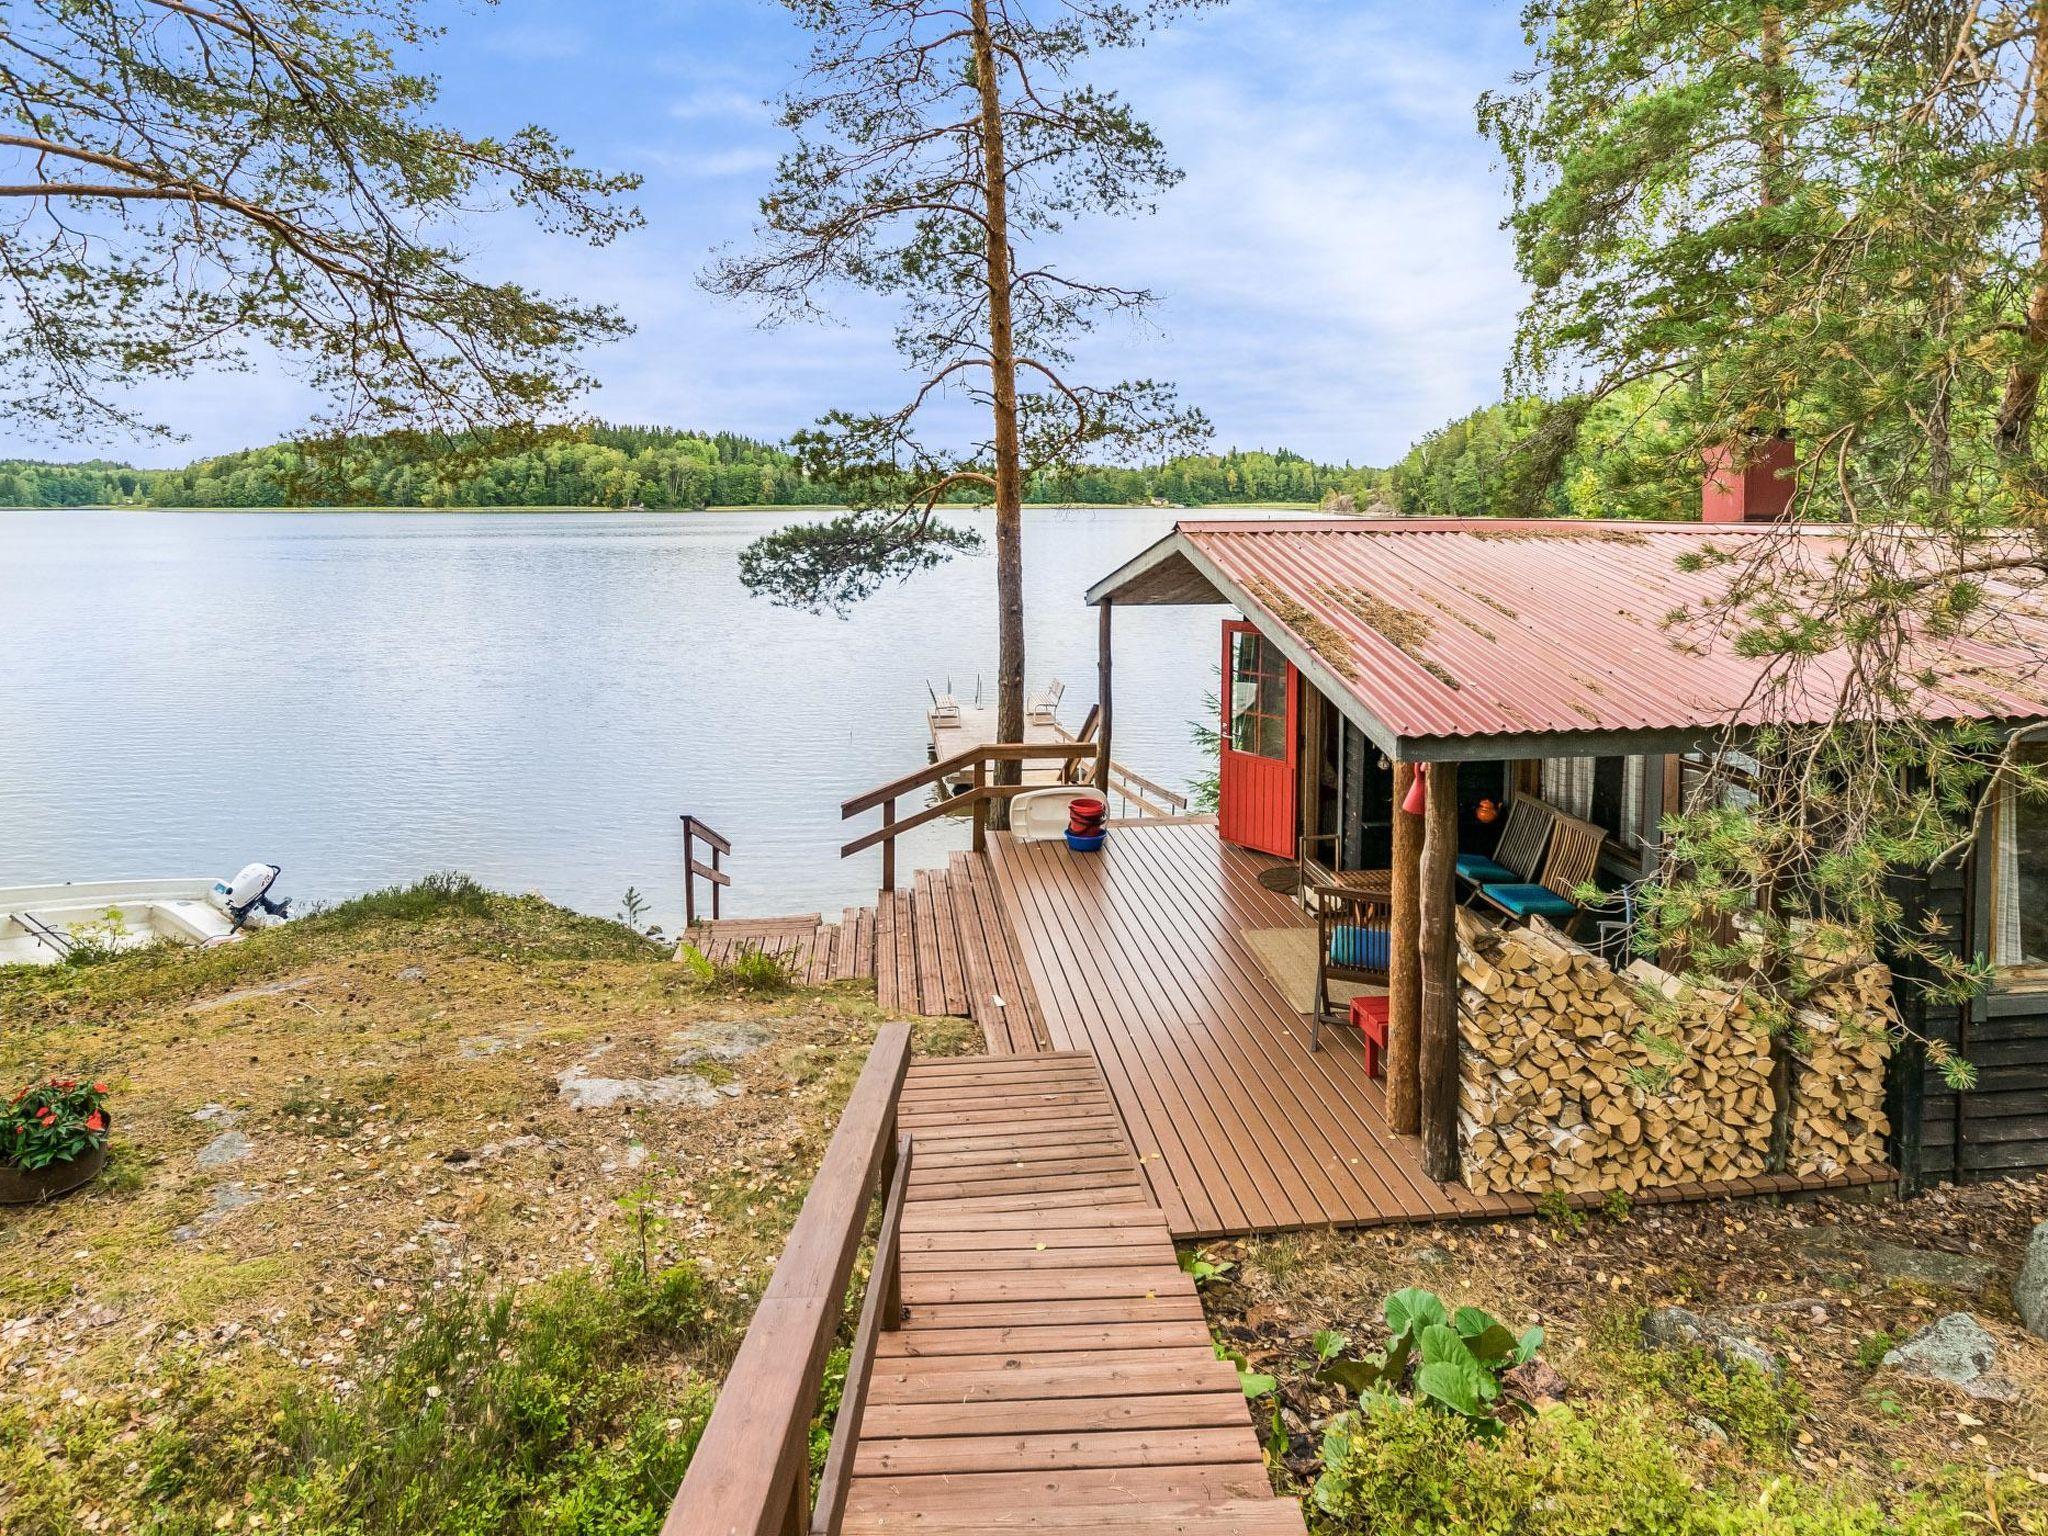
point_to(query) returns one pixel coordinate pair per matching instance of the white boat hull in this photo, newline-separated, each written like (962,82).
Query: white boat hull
(38,922)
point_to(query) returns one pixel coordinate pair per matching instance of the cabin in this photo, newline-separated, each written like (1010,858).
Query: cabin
(1530,663)
(1321,1006)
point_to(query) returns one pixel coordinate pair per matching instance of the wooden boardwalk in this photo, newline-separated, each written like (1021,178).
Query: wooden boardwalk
(940,947)
(1137,954)
(1054,1371)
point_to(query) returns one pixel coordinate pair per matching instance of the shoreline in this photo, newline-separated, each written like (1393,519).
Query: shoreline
(1050,506)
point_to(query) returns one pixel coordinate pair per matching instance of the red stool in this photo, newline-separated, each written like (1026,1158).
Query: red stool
(1369,1015)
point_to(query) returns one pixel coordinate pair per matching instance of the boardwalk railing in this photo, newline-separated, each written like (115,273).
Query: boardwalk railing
(982,793)
(751,1473)
(694,869)
(1138,793)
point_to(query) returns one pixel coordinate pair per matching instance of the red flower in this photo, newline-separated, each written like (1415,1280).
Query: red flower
(95,1121)
(99,1087)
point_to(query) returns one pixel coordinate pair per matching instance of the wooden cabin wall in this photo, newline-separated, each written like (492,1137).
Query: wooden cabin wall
(2001,1125)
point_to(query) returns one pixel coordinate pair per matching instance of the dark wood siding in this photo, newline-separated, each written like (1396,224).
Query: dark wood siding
(2001,1125)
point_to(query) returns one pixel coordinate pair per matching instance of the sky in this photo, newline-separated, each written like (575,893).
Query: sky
(1332,272)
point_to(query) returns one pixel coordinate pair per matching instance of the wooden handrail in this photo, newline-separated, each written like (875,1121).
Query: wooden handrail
(695,869)
(951,767)
(751,1472)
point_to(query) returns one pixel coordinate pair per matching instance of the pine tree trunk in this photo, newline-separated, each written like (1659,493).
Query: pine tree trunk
(2023,384)
(1003,389)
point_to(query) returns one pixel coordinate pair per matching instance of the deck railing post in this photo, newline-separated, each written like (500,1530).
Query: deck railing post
(689,875)
(714,883)
(981,805)
(889,847)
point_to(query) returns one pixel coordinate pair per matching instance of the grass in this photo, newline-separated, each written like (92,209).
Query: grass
(419,1206)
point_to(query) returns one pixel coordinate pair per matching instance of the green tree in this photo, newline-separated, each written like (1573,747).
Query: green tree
(190,181)
(1828,219)
(937,145)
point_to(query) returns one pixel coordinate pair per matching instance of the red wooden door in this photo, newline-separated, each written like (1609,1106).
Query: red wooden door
(1257,782)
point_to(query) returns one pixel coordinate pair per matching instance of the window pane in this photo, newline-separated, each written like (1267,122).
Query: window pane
(1272,737)
(2019,876)
(1273,693)
(1244,733)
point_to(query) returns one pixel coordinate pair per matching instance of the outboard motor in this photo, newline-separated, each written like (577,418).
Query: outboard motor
(246,898)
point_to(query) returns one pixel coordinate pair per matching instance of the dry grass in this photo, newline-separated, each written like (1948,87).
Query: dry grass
(396,1080)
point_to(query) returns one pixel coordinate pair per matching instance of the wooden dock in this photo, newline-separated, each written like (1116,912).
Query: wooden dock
(1053,1371)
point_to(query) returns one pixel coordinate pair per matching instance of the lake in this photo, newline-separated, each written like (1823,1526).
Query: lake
(533,698)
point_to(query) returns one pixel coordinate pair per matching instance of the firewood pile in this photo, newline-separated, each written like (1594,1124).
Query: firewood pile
(1841,1039)
(1577,1078)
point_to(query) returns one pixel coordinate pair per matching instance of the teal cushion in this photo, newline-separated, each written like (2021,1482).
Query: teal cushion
(1363,949)
(1480,870)
(1531,900)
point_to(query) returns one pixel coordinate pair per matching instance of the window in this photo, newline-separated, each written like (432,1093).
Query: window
(2019,871)
(1607,791)
(1258,696)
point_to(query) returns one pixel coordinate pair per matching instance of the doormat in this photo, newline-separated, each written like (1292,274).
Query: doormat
(1284,878)
(1288,957)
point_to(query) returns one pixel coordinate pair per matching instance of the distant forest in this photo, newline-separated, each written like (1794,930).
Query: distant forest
(614,466)
(1471,467)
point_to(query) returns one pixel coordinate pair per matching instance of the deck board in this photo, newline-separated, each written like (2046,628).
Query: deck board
(1054,1370)
(1137,954)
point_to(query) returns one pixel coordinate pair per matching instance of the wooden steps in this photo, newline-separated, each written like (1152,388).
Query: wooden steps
(1054,1370)
(942,947)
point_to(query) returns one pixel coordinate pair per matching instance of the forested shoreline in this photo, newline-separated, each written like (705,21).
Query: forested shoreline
(617,467)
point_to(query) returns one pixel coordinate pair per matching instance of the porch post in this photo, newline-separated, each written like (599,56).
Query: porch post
(1437,1055)
(1102,692)
(1404,1110)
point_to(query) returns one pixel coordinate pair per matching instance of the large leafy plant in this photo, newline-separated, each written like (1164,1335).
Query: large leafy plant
(52,1123)
(1458,1362)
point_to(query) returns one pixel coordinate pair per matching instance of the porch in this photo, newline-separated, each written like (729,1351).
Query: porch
(1138,954)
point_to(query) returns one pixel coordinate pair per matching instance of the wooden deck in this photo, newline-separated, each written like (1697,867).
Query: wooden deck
(941,947)
(1137,955)
(1054,1371)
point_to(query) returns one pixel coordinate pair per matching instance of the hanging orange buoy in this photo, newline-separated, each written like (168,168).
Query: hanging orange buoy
(1418,791)
(1488,812)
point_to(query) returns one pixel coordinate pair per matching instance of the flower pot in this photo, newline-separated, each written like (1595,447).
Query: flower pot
(28,1186)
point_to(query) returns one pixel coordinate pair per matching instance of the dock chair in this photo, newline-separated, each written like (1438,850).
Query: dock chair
(1354,943)
(1519,853)
(1573,857)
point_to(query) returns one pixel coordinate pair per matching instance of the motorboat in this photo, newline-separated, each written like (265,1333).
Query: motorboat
(43,924)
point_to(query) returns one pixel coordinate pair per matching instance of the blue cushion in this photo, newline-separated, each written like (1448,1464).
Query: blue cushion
(1480,870)
(1531,900)
(1363,949)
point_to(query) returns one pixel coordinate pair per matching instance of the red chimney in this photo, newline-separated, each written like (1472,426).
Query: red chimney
(1753,485)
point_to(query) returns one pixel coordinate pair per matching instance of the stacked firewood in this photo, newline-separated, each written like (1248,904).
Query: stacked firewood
(1577,1078)
(1840,1042)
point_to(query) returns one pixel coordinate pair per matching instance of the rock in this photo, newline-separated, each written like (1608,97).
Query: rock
(1930,1266)
(586,1092)
(413,973)
(1433,1256)
(270,989)
(218,1113)
(719,1040)
(1676,1328)
(2030,1291)
(1958,1350)
(228,1147)
(1707,1429)
(221,1199)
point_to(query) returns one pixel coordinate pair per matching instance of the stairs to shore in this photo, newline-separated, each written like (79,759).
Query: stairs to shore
(940,947)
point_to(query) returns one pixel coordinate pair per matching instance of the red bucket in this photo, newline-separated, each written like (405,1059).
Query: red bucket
(1085,817)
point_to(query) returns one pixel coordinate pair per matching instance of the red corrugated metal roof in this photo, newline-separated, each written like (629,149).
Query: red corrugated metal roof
(1469,628)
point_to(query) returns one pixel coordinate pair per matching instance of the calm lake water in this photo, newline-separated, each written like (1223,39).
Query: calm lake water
(533,698)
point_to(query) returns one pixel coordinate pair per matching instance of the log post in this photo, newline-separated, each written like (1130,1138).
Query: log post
(889,846)
(1404,1002)
(1437,1053)
(1102,625)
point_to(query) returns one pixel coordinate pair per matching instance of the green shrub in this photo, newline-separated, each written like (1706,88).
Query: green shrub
(572,1407)
(1395,1469)
(1455,1362)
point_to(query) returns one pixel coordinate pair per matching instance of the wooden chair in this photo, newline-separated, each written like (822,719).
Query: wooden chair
(1354,941)
(1573,857)
(1523,838)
